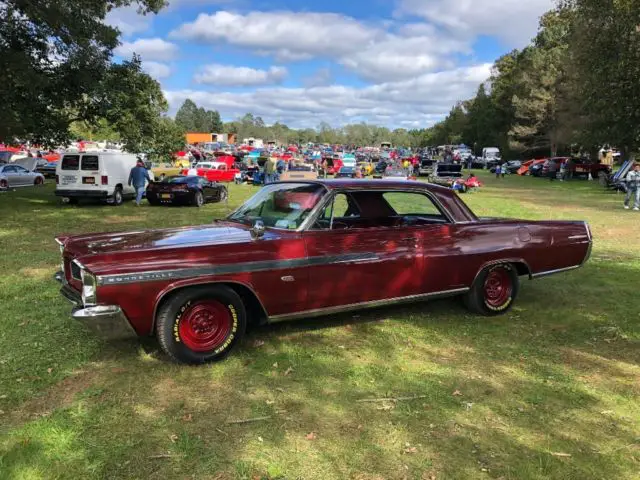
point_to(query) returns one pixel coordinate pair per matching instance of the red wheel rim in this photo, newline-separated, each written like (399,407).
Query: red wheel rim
(497,287)
(205,325)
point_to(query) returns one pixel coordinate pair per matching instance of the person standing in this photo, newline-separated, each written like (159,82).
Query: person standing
(563,171)
(270,170)
(633,188)
(498,170)
(137,177)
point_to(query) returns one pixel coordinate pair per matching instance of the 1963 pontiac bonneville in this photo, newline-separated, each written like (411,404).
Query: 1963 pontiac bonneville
(303,249)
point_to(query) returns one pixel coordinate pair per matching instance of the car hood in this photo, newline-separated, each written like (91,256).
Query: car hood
(92,244)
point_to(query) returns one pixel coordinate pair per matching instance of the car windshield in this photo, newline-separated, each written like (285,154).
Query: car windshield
(281,205)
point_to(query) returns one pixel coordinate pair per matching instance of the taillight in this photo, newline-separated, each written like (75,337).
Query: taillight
(105,180)
(57,179)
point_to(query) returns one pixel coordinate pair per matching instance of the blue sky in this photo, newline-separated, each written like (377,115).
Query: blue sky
(397,63)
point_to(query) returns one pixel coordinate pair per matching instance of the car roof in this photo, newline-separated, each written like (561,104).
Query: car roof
(378,184)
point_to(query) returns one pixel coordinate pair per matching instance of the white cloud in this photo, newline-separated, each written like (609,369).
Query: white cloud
(228,75)
(148,49)
(286,35)
(321,78)
(513,21)
(417,102)
(128,20)
(157,70)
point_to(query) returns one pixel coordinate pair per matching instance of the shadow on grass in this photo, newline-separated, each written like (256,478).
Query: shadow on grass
(539,393)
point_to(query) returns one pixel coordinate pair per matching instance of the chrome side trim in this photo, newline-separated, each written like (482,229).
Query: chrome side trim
(578,237)
(246,267)
(320,312)
(552,272)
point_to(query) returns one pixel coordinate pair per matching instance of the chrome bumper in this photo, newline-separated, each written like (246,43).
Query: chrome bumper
(106,321)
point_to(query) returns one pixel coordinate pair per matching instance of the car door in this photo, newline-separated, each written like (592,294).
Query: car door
(9,171)
(23,176)
(442,259)
(366,262)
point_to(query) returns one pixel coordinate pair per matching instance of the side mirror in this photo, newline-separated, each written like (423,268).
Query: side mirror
(257,231)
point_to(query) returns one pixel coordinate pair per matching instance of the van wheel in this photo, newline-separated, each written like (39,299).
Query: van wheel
(201,324)
(494,290)
(117,197)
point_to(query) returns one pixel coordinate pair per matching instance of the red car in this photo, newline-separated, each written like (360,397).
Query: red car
(305,249)
(213,171)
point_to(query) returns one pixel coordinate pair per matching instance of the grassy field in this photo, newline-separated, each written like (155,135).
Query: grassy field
(550,390)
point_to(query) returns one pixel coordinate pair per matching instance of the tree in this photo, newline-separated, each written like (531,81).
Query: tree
(168,138)
(190,118)
(54,57)
(604,50)
(131,102)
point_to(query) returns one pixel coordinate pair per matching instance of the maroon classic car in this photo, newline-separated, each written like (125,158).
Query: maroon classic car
(303,249)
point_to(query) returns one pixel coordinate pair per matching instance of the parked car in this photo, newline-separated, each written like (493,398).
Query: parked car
(214,171)
(47,169)
(510,167)
(526,166)
(17,176)
(446,174)
(96,175)
(324,243)
(426,167)
(346,172)
(179,190)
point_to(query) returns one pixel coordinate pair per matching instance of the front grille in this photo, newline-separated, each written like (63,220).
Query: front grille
(75,271)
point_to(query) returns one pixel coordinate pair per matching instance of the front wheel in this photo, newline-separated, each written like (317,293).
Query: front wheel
(201,324)
(494,290)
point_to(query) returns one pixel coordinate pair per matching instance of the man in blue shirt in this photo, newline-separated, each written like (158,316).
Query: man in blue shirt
(137,177)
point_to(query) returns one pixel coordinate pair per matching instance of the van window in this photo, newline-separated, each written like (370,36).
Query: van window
(89,162)
(70,162)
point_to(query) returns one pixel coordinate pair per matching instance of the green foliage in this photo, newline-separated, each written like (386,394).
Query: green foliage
(168,138)
(605,56)
(54,58)
(190,118)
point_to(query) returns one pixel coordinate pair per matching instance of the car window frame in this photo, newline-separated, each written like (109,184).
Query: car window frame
(333,193)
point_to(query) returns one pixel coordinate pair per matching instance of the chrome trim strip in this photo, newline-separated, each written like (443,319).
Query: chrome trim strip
(558,270)
(578,237)
(320,312)
(247,267)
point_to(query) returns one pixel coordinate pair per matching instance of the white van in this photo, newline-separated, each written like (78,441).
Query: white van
(489,154)
(95,175)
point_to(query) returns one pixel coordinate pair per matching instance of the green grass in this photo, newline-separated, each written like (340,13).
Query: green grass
(502,397)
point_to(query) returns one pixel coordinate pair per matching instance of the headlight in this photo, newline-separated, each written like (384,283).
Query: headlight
(61,245)
(89,296)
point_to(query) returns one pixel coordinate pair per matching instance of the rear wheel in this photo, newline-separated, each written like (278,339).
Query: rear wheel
(201,324)
(222,194)
(4,184)
(38,181)
(494,290)
(117,197)
(198,199)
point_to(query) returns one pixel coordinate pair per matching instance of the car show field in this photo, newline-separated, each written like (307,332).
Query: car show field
(427,391)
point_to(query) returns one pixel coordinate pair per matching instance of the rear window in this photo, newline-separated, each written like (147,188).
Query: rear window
(90,162)
(70,162)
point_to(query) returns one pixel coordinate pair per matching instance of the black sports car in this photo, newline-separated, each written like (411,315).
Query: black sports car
(191,190)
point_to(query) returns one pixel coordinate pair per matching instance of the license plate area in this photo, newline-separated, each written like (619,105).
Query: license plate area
(88,180)
(165,196)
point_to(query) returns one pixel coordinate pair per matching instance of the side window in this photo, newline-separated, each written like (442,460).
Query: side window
(20,169)
(408,204)
(344,206)
(9,169)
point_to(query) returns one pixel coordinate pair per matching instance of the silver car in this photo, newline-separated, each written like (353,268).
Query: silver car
(12,175)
